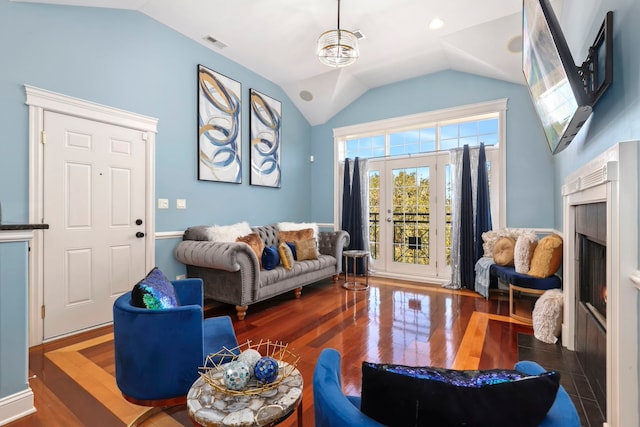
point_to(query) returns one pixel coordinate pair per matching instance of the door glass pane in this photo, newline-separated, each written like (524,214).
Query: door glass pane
(411,194)
(374,213)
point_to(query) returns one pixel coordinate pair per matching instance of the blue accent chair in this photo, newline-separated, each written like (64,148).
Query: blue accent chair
(333,409)
(158,352)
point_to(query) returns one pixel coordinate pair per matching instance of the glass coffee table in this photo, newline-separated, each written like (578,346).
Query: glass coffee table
(355,255)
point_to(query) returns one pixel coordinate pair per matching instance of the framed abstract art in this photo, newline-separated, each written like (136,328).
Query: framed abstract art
(219,127)
(266,140)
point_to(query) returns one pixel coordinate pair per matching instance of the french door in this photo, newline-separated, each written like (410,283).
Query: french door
(410,216)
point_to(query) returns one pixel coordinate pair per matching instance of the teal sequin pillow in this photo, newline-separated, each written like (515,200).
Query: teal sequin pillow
(154,292)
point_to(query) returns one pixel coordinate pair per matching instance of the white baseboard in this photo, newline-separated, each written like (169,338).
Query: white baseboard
(16,406)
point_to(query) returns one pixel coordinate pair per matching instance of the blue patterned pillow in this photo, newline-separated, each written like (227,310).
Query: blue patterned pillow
(154,292)
(447,397)
(270,257)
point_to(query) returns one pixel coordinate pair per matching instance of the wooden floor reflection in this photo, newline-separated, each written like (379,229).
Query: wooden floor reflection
(392,322)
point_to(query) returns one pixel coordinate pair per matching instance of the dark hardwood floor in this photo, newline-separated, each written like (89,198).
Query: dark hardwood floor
(394,322)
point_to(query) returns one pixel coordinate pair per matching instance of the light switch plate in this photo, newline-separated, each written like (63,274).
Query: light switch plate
(181,204)
(163,203)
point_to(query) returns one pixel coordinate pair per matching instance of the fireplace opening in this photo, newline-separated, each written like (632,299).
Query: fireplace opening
(591,296)
(593,281)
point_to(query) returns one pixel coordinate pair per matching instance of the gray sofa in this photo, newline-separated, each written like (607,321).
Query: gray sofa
(231,271)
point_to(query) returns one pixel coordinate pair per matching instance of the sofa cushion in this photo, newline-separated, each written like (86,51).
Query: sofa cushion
(292,236)
(397,395)
(547,258)
(256,244)
(270,257)
(503,251)
(154,292)
(306,249)
(286,256)
(228,233)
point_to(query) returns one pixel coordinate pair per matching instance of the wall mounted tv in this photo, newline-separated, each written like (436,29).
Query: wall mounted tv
(563,93)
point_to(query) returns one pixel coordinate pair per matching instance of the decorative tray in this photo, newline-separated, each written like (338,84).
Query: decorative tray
(213,371)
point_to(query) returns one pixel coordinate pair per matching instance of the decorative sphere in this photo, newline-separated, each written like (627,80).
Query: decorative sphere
(266,369)
(236,375)
(250,357)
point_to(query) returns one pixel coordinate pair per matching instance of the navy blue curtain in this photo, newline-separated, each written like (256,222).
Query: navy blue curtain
(483,206)
(346,196)
(467,237)
(354,206)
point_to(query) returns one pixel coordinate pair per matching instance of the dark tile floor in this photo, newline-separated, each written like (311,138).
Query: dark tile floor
(555,357)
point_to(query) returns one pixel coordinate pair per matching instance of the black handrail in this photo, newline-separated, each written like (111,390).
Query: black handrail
(414,244)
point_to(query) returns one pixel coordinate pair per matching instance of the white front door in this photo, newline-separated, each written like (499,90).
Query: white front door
(94,203)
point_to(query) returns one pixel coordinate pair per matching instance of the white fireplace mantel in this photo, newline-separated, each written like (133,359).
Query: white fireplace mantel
(612,178)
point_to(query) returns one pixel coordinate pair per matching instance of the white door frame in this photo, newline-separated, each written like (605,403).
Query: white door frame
(39,101)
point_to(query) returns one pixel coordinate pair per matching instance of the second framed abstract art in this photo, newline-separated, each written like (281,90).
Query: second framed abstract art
(266,140)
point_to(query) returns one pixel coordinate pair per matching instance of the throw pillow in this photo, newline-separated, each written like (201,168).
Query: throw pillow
(228,233)
(489,239)
(256,244)
(154,292)
(292,246)
(503,251)
(270,258)
(286,256)
(523,252)
(306,249)
(397,395)
(295,226)
(292,236)
(547,258)
(547,316)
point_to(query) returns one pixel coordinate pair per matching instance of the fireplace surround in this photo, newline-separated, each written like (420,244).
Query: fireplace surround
(591,295)
(611,179)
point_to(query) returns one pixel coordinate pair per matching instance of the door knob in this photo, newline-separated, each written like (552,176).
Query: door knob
(138,221)
(388,219)
(139,234)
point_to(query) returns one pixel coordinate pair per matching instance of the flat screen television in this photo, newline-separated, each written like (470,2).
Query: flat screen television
(563,94)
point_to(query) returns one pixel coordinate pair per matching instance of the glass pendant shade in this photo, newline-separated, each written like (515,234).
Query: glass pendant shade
(337,48)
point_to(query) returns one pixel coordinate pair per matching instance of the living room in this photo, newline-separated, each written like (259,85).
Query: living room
(126,60)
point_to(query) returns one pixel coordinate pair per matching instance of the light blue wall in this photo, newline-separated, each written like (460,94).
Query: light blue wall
(13,318)
(529,175)
(126,60)
(616,117)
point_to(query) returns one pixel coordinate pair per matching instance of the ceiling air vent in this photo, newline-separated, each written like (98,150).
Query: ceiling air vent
(217,43)
(359,34)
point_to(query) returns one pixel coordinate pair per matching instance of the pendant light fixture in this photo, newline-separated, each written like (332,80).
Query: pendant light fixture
(338,48)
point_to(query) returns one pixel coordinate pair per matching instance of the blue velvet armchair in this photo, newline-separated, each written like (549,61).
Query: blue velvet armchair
(333,409)
(158,352)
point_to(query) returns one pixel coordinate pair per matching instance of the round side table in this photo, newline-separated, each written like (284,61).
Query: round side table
(355,255)
(209,407)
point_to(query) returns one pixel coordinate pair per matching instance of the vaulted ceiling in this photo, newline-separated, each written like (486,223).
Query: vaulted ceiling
(277,39)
